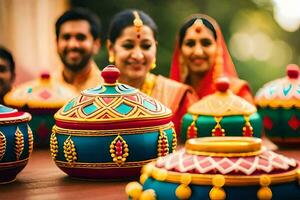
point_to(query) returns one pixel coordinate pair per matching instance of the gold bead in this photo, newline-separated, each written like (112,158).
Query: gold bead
(134,190)
(148,195)
(183,192)
(217,193)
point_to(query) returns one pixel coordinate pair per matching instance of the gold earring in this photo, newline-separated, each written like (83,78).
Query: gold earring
(111,59)
(153,65)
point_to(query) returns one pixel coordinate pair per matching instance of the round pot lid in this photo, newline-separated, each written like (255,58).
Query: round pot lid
(222,103)
(9,115)
(42,93)
(111,104)
(283,92)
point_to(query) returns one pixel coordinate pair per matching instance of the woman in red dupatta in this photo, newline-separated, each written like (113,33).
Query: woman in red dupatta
(201,56)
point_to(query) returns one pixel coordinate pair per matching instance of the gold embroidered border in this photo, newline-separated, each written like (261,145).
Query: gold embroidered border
(13,164)
(128,131)
(206,179)
(109,165)
(14,120)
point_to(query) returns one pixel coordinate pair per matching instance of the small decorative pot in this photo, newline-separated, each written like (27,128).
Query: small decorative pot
(221,114)
(279,105)
(42,98)
(111,131)
(16,142)
(219,168)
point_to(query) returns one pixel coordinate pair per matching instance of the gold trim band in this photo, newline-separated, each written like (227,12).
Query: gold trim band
(109,165)
(206,179)
(129,131)
(224,145)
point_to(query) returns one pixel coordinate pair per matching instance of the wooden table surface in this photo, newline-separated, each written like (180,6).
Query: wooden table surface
(43,180)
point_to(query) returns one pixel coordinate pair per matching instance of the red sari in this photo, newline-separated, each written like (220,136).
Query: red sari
(223,66)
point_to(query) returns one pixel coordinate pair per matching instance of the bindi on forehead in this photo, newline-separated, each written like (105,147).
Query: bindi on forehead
(130,33)
(197,26)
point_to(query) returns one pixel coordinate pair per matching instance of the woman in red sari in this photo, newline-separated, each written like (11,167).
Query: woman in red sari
(201,56)
(132,47)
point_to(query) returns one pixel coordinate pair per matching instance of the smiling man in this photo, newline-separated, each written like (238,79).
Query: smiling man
(77,39)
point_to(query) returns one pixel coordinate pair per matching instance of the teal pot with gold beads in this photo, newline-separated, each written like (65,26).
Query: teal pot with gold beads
(111,131)
(221,114)
(16,142)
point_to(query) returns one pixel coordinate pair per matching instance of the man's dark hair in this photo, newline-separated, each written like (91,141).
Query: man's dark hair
(80,14)
(6,55)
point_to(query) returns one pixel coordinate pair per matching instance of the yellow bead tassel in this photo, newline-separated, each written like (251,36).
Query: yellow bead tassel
(217,192)
(183,191)
(247,129)
(218,130)
(264,193)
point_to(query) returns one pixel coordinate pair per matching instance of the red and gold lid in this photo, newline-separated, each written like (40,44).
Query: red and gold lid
(112,105)
(10,116)
(222,103)
(43,93)
(283,92)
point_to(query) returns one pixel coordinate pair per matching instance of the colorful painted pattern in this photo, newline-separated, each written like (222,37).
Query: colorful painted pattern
(41,93)
(284,92)
(110,103)
(266,162)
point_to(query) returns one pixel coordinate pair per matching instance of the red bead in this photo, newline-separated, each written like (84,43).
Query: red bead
(222,84)
(247,131)
(119,153)
(192,132)
(292,71)
(118,148)
(119,143)
(218,132)
(110,74)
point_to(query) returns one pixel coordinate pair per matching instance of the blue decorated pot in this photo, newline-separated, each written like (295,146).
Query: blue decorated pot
(219,168)
(111,131)
(279,105)
(16,142)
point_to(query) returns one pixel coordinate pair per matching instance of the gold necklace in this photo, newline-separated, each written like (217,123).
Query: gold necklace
(149,84)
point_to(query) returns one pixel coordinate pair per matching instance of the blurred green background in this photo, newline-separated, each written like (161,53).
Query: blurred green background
(260,46)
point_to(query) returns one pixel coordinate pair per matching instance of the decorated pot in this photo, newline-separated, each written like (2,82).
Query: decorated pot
(279,105)
(16,142)
(42,98)
(221,114)
(111,131)
(219,168)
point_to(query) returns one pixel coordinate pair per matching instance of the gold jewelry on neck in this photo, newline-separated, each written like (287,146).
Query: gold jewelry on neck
(137,22)
(197,25)
(149,84)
